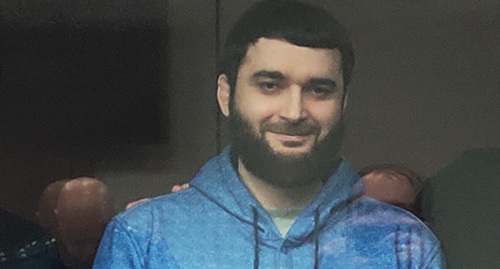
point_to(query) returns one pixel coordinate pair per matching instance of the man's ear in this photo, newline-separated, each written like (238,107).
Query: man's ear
(345,98)
(223,94)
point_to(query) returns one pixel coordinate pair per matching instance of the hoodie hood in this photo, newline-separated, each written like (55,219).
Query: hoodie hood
(220,183)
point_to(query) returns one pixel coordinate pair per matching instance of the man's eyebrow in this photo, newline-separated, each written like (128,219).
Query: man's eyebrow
(268,74)
(322,81)
(280,76)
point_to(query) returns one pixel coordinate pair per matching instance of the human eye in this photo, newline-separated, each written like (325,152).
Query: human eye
(321,88)
(321,92)
(268,86)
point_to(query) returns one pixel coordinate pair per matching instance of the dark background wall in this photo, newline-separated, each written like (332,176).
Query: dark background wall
(425,89)
(77,79)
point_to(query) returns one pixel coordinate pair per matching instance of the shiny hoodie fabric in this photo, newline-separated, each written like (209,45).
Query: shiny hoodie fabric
(217,223)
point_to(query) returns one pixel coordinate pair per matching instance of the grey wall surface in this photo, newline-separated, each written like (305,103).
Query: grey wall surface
(426,85)
(190,137)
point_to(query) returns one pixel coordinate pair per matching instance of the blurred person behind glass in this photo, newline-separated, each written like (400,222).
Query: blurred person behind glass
(83,210)
(394,184)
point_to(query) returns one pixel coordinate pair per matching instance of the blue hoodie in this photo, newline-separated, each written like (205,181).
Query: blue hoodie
(217,223)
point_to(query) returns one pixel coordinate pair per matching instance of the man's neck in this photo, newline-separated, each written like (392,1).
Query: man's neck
(275,197)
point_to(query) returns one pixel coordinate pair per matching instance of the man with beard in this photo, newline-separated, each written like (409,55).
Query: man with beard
(280,196)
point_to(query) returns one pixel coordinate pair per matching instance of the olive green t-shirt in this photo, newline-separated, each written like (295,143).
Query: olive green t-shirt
(284,218)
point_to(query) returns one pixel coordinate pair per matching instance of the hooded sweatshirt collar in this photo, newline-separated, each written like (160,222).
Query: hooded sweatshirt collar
(220,183)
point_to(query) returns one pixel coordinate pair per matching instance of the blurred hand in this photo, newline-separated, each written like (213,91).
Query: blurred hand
(179,187)
(175,188)
(134,203)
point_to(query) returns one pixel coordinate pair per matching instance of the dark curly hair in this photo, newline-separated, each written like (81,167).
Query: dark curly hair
(299,23)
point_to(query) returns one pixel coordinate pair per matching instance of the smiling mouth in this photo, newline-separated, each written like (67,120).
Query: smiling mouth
(292,140)
(292,132)
(291,135)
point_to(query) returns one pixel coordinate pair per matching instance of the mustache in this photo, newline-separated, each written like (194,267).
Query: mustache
(286,128)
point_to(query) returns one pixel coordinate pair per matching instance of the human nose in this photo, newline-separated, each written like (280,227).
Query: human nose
(293,107)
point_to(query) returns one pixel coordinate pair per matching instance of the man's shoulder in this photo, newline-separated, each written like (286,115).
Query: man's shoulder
(177,218)
(369,214)
(380,235)
(366,208)
(169,205)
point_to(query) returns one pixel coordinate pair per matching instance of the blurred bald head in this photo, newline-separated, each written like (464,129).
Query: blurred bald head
(392,183)
(84,208)
(85,197)
(47,204)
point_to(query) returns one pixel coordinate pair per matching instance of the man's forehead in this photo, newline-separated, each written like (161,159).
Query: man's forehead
(265,45)
(278,54)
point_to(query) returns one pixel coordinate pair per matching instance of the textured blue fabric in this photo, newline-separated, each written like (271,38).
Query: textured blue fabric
(211,225)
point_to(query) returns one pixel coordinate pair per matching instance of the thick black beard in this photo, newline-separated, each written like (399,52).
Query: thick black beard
(282,170)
